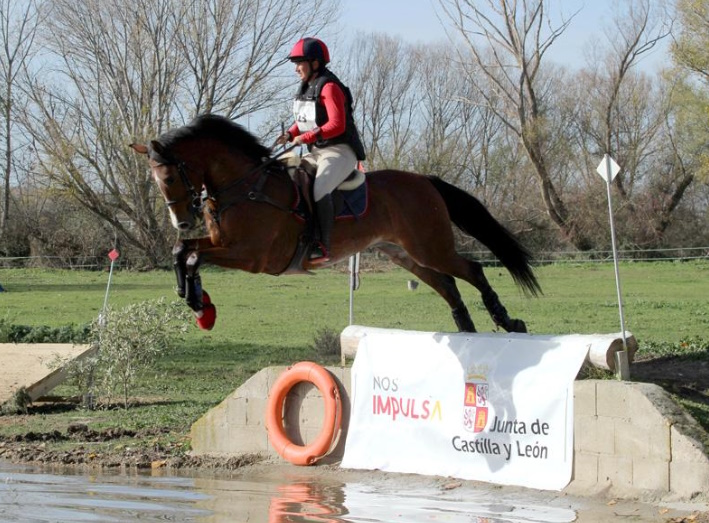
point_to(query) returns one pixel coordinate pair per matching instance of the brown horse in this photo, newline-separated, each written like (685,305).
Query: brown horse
(253,223)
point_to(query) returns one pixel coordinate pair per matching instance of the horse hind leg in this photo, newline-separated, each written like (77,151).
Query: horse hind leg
(471,271)
(443,284)
(475,276)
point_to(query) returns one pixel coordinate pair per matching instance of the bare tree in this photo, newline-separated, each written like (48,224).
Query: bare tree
(232,49)
(385,97)
(18,27)
(636,31)
(121,71)
(507,41)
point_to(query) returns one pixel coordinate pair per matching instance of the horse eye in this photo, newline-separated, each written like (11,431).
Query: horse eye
(169,180)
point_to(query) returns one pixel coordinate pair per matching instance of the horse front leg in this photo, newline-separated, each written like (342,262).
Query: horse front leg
(197,298)
(179,255)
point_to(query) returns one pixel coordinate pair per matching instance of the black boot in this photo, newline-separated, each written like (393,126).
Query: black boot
(325,209)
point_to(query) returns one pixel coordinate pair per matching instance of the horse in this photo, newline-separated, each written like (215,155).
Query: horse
(214,168)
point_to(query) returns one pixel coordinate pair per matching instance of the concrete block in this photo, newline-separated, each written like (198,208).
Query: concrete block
(255,411)
(689,468)
(245,441)
(651,474)
(660,442)
(615,470)
(612,399)
(594,434)
(585,468)
(585,398)
(259,385)
(645,414)
(686,448)
(631,437)
(688,479)
(651,442)
(235,412)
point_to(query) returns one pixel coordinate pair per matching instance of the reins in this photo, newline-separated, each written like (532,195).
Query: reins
(260,167)
(255,192)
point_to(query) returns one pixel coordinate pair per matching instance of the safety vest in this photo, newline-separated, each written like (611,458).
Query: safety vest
(309,113)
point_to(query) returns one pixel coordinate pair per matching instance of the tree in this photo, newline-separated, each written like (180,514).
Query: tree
(690,44)
(18,28)
(121,72)
(689,53)
(385,98)
(507,42)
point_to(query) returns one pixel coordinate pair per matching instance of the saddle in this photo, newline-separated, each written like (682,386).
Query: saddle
(350,200)
(303,175)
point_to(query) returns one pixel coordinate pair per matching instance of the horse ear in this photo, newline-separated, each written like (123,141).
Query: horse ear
(139,148)
(157,147)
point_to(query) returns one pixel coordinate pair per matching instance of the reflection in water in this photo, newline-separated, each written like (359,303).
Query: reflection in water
(30,496)
(36,497)
(314,502)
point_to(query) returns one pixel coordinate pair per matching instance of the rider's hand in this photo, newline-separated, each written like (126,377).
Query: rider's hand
(285,137)
(298,140)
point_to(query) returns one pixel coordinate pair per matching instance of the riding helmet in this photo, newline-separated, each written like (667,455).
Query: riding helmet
(307,49)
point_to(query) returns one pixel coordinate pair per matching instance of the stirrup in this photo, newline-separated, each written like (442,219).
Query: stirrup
(318,254)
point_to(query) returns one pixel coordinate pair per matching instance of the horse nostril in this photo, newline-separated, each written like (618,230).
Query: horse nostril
(183,226)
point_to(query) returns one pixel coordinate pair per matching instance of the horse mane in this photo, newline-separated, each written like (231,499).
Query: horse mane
(220,128)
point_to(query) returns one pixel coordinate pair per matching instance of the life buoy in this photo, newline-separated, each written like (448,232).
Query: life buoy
(320,446)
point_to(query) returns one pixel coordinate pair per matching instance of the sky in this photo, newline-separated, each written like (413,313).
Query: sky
(417,21)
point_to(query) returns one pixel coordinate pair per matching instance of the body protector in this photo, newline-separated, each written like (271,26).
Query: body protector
(309,113)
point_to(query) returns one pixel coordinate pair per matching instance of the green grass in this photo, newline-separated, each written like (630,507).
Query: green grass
(265,320)
(663,302)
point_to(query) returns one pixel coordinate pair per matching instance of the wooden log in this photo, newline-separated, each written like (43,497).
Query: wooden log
(601,347)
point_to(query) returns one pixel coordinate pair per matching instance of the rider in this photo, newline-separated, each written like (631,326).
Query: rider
(324,122)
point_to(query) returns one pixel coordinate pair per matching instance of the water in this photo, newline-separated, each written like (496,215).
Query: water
(287,494)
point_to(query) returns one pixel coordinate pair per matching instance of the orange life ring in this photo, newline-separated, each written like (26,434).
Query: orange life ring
(320,446)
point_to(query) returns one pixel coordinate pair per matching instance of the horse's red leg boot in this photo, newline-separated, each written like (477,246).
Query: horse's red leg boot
(208,315)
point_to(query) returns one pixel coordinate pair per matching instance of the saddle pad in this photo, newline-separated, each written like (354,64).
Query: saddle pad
(356,202)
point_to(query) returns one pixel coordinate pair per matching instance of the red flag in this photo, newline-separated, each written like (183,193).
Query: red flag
(113,255)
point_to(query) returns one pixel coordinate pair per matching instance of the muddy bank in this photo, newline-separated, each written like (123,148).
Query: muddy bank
(112,448)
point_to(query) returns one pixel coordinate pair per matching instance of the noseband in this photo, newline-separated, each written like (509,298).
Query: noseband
(195,199)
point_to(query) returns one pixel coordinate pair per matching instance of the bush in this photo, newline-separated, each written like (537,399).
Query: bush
(326,344)
(10,333)
(128,342)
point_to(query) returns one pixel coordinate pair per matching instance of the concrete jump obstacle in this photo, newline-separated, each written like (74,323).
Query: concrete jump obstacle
(632,440)
(30,366)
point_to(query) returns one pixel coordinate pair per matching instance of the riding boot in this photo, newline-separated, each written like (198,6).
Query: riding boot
(325,210)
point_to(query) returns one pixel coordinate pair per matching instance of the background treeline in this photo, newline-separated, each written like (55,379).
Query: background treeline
(489,110)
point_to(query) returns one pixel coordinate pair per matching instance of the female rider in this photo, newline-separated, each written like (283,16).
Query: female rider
(324,122)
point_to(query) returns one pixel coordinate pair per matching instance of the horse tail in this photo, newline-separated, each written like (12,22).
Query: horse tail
(474,219)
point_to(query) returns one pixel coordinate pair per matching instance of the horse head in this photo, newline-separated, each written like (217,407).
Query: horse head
(173,180)
(211,151)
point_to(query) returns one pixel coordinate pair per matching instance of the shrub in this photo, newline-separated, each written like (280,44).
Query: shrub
(326,344)
(128,342)
(10,333)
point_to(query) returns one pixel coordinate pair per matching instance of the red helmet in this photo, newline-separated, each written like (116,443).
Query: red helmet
(307,49)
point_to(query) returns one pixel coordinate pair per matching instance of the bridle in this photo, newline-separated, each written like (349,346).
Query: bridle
(196,202)
(196,199)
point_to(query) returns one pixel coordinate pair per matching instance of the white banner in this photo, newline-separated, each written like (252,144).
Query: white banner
(488,407)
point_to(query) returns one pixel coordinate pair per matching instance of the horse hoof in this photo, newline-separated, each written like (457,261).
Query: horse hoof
(518,326)
(208,318)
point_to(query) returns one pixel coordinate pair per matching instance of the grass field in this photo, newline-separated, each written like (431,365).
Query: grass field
(264,320)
